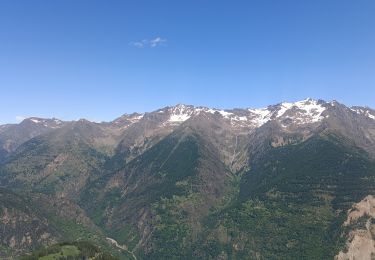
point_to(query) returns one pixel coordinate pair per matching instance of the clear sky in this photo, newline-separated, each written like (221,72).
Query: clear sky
(99,59)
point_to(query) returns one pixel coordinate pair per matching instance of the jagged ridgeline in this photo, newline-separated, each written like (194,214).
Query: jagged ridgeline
(290,181)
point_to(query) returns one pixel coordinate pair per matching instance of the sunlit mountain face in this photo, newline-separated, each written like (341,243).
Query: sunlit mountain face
(288,181)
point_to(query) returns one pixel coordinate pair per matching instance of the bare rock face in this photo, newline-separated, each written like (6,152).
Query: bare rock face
(365,207)
(361,238)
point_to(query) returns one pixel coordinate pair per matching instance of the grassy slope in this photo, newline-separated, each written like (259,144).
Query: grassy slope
(74,250)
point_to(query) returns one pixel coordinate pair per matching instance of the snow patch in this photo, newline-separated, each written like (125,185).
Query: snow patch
(310,111)
(365,112)
(57,121)
(283,108)
(241,118)
(136,118)
(260,116)
(302,112)
(224,113)
(36,121)
(180,113)
(179,118)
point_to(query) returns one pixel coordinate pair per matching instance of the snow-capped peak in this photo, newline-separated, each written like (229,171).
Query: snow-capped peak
(50,123)
(305,111)
(301,112)
(127,119)
(180,113)
(311,109)
(364,111)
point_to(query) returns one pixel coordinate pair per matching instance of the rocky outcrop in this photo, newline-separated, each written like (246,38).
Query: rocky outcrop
(361,235)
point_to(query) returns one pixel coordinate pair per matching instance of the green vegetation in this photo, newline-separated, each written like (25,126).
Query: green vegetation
(273,229)
(177,200)
(5,250)
(169,178)
(51,165)
(172,228)
(292,203)
(65,251)
(75,250)
(126,235)
(76,231)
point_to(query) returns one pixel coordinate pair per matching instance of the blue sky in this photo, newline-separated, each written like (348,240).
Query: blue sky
(99,59)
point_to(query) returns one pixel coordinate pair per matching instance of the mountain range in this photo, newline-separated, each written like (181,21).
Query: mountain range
(289,181)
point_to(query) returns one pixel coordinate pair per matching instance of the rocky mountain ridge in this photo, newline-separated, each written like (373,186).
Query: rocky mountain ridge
(204,181)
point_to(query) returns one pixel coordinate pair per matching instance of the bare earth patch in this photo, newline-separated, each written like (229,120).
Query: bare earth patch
(360,242)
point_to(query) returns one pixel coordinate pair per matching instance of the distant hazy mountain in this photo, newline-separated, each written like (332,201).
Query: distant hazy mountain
(289,181)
